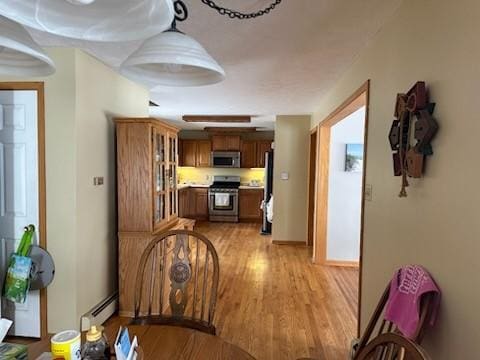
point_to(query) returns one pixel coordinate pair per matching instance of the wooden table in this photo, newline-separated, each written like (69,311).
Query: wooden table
(169,342)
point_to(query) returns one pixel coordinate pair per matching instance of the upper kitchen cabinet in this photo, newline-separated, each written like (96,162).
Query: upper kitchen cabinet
(195,153)
(188,153)
(147,174)
(204,151)
(226,143)
(248,154)
(263,146)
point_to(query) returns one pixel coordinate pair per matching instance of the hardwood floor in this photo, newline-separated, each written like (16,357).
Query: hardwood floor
(274,303)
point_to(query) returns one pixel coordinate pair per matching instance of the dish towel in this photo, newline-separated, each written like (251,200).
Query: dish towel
(222,199)
(270,210)
(407,288)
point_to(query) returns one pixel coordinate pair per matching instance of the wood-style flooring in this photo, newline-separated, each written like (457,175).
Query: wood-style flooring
(274,303)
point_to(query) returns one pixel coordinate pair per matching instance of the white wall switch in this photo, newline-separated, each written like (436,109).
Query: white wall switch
(368,192)
(284,175)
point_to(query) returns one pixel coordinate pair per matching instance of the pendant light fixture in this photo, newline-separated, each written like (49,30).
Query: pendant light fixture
(100,20)
(173,58)
(19,54)
(80,2)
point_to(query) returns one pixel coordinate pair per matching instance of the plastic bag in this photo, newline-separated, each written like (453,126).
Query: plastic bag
(17,282)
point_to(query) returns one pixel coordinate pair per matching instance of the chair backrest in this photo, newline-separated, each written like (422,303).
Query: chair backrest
(177,281)
(392,346)
(381,326)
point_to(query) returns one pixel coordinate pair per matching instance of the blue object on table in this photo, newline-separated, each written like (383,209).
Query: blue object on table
(124,342)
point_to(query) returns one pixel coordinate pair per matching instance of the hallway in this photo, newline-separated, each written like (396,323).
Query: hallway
(274,303)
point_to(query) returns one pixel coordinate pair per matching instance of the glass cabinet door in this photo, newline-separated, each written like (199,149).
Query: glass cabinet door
(172,172)
(159,177)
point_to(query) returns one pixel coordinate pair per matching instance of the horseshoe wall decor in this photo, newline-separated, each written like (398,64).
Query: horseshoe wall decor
(411,133)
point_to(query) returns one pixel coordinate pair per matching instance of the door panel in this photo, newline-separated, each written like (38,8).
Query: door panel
(19,200)
(189,149)
(249,205)
(219,143)
(249,154)
(262,147)
(204,151)
(233,142)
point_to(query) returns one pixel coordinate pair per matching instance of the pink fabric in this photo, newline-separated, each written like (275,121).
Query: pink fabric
(407,287)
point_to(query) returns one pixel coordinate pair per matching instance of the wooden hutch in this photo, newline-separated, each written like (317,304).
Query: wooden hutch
(147,160)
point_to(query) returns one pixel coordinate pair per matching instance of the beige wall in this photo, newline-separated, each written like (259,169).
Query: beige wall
(60,182)
(292,138)
(437,225)
(80,99)
(101,95)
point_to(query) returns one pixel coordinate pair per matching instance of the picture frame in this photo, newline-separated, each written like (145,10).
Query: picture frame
(353,157)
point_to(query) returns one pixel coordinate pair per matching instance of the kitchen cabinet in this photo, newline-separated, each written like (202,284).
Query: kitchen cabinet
(195,153)
(147,159)
(188,153)
(262,147)
(249,202)
(203,153)
(248,154)
(193,203)
(201,203)
(226,142)
(147,174)
(183,201)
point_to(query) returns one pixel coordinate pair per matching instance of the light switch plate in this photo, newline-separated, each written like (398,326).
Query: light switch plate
(284,175)
(98,180)
(368,192)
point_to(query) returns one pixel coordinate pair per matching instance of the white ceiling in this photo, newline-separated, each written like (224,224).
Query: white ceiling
(281,63)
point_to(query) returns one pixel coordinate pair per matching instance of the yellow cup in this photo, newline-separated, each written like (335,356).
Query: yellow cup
(66,345)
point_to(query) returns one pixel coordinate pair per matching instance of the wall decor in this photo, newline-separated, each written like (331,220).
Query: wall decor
(411,133)
(353,157)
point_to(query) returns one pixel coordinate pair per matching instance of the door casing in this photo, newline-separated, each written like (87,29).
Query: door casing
(361,97)
(39,87)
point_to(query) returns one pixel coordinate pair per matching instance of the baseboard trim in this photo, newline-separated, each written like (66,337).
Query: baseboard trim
(100,313)
(353,264)
(288,242)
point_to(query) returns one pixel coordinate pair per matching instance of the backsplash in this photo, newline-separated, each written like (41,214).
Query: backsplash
(205,175)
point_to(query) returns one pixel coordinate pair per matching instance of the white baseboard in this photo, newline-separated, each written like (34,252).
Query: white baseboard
(100,313)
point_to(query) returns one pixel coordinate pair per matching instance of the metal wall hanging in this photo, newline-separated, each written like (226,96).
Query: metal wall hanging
(411,133)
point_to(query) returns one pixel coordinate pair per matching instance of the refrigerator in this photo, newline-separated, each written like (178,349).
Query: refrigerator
(268,192)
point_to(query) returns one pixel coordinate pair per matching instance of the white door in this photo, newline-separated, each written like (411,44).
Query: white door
(18,195)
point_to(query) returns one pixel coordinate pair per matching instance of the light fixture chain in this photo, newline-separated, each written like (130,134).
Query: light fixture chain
(239,15)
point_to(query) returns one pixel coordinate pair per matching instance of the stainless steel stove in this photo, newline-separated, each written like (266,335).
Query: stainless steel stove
(223,199)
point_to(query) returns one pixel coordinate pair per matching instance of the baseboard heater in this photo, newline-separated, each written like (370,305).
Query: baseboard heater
(100,313)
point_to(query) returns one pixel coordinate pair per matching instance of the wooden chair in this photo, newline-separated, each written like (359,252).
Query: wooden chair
(377,321)
(177,282)
(392,346)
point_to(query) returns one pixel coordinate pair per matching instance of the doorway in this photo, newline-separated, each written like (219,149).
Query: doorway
(22,191)
(325,131)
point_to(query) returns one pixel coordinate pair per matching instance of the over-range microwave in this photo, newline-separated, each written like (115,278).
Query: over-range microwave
(226,159)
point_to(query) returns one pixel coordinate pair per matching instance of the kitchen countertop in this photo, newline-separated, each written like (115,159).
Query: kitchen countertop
(185,186)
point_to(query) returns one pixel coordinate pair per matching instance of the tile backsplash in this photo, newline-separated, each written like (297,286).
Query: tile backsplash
(205,175)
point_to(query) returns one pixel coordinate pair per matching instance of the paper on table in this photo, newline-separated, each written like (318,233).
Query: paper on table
(4,326)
